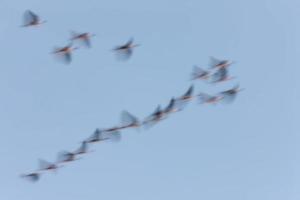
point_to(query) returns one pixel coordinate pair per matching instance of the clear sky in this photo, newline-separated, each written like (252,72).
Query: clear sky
(243,151)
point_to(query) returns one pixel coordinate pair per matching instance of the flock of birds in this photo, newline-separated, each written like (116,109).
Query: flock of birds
(217,72)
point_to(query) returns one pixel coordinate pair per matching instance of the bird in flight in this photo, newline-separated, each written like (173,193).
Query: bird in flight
(33,177)
(208,99)
(31,19)
(199,73)
(129,121)
(221,75)
(229,95)
(125,51)
(47,166)
(85,38)
(65,52)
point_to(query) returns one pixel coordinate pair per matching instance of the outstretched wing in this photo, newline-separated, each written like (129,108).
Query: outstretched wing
(30,17)
(128,119)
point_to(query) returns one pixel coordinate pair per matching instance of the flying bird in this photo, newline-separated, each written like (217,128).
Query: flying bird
(125,51)
(172,107)
(208,99)
(65,52)
(85,38)
(47,166)
(230,95)
(182,101)
(83,149)
(199,73)
(33,177)
(113,136)
(221,75)
(128,120)
(31,19)
(97,136)
(155,117)
(66,156)
(217,63)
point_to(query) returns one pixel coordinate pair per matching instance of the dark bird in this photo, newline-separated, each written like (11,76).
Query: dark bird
(221,75)
(113,136)
(217,63)
(31,19)
(188,95)
(125,51)
(115,128)
(199,73)
(171,107)
(47,166)
(230,95)
(83,149)
(155,117)
(97,136)
(65,157)
(85,38)
(128,120)
(33,177)
(209,99)
(184,99)
(65,52)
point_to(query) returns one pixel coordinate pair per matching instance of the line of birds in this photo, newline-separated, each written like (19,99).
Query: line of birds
(64,53)
(216,73)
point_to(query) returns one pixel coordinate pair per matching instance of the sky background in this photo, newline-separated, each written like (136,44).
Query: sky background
(243,151)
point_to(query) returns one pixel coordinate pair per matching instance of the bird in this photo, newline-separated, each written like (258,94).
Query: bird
(65,52)
(31,19)
(83,37)
(209,99)
(184,99)
(155,117)
(221,75)
(113,136)
(188,95)
(125,51)
(97,136)
(83,149)
(199,73)
(47,166)
(217,63)
(33,177)
(128,120)
(66,156)
(229,95)
(171,107)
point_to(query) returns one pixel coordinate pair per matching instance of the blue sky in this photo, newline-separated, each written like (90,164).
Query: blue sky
(245,150)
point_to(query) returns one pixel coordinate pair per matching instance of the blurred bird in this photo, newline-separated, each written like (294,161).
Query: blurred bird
(65,157)
(188,95)
(217,63)
(31,19)
(115,128)
(182,101)
(230,95)
(155,117)
(83,149)
(171,107)
(199,73)
(209,99)
(85,38)
(47,166)
(65,52)
(113,136)
(33,177)
(221,75)
(125,51)
(96,137)
(128,120)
